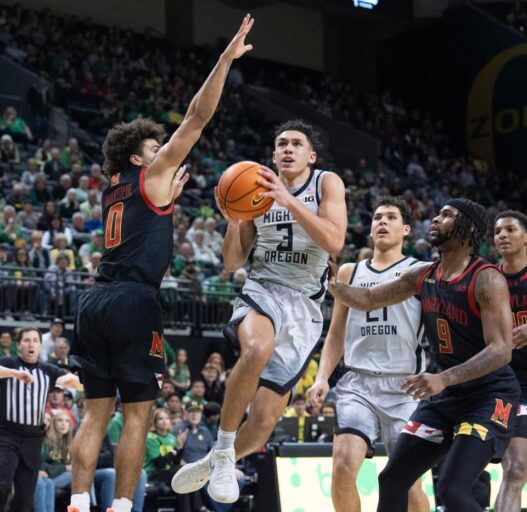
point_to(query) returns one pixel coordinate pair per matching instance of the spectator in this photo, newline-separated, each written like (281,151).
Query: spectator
(207,261)
(80,234)
(211,418)
(15,126)
(179,371)
(55,404)
(167,388)
(216,359)
(30,173)
(94,223)
(71,149)
(17,196)
(328,410)
(64,184)
(39,98)
(86,208)
(69,205)
(93,265)
(82,189)
(53,168)
(180,237)
(43,153)
(38,255)
(10,229)
(50,338)
(174,406)
(59,356)
(212,238)
(7,345)
(21,293)
(190,280)
(61,245)
(308,377)
(27,218)
(214,387)
(96,179)
(56,227)
(185,253)
(9,153)
(60,285)
(219,288)
(40,192)
(49,210)
(298,410)
(196,393)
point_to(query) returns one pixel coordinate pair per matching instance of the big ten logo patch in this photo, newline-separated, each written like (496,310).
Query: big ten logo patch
(157,349)
(501,413)
(496,123)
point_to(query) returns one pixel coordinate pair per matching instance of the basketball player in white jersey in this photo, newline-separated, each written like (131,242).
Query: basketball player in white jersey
(277,319)
(380,349)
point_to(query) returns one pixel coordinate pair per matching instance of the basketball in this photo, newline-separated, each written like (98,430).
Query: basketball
(239,194)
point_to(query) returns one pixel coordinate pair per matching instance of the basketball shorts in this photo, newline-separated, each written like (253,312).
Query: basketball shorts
(118,338)
(372,407)
(487,416)
(521,416)
(297,322)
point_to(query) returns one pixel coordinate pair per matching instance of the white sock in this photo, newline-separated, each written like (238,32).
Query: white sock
(225,440)
(81,501)
(121,505)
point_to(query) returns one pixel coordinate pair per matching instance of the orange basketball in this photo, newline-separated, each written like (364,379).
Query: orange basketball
(239,193)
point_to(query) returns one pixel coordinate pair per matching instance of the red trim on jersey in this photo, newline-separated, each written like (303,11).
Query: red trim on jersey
(422,278)
(462,275)
(149,203)
(472,284)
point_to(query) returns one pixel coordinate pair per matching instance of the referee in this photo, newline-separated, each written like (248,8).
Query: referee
(24,386)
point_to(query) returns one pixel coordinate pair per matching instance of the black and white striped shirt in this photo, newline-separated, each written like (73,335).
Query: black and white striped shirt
(22,405)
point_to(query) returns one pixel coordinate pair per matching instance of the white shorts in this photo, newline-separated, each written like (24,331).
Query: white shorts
(373,407)
(297,322)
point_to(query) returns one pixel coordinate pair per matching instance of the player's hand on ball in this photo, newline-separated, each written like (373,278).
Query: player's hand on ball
(226,216)
(519,337)
(423,385)
(237,46)
(276,189)
(317,393)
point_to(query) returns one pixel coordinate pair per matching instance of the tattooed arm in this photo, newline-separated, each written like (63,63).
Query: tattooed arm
(386,294)
(492,296)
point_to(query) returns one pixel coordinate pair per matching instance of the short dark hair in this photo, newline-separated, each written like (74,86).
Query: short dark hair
(126,139)
(21,332)
(398,202)
(312,135)
(514,214)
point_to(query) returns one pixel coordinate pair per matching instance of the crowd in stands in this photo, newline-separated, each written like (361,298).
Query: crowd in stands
(51,232)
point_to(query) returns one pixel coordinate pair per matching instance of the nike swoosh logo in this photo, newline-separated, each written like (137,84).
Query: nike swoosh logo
(256,202)
(317,321)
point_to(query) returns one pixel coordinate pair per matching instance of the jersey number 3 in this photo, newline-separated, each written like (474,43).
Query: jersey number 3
(443,333)
(114,222)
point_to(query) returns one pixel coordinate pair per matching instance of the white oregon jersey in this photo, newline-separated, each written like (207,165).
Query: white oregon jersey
(284,253)
(384,340)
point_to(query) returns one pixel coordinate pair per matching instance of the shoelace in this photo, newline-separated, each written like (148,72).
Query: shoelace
(224,468)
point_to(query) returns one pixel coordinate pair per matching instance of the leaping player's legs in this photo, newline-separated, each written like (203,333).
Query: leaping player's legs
(257,341)
(514,476)
(266,409)
(349,452)
(86,446)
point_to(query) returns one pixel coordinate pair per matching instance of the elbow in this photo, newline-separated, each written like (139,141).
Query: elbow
(335,247)
(503,356)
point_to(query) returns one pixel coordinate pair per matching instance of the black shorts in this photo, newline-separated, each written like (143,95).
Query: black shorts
(521,419)
(118,336)
(489,417)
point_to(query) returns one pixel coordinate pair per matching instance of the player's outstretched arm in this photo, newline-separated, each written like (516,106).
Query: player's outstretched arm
(380,296)
(333,344)
(238,241)
(199,113)
(491,293)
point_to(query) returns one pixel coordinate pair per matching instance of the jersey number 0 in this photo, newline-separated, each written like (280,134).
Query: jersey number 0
(114,222)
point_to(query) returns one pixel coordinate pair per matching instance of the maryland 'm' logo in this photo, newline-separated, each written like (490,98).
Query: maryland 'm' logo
(501,413)
(156,349)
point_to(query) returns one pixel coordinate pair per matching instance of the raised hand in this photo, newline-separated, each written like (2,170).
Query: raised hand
(276,189)
(179,180)
(237,46)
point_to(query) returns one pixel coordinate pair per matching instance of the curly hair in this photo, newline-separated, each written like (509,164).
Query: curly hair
(465,230)
(298,125)
(126,139)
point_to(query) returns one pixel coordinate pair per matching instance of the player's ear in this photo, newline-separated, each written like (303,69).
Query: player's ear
(313,157)
(136,160)
(407,229)
(274,157)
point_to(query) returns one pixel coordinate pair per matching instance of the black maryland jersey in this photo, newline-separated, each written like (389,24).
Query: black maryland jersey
(138,236)
(518,291)
(453,322)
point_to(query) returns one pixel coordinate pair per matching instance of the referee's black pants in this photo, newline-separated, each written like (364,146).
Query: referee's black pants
(19,465)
